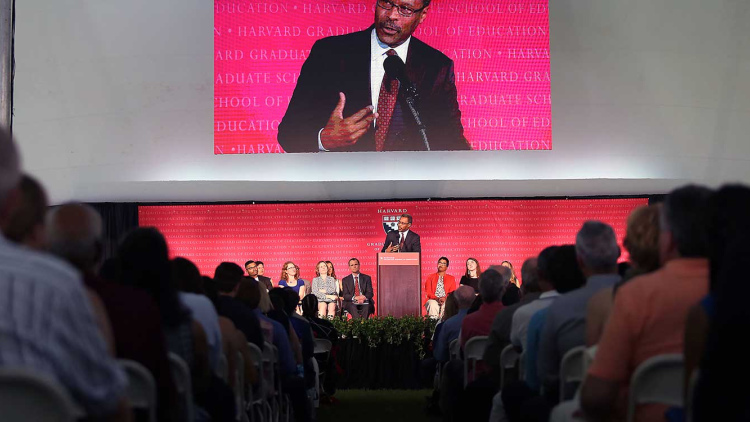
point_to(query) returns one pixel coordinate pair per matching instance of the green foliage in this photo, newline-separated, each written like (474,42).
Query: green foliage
(388,330)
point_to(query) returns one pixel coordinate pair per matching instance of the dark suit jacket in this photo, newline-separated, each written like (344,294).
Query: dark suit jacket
(411,244)
(365,284)
(342,64)
(265,281)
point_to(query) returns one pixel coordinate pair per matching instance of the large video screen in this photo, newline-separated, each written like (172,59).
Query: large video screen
(316,76)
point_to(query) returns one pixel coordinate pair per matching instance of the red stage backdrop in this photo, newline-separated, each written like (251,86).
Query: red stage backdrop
(500,49)
(488,230)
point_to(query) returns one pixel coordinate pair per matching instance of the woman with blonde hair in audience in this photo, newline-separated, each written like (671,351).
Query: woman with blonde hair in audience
(642,243)
(512,293)
(513,278)
(325,290)
(473,271)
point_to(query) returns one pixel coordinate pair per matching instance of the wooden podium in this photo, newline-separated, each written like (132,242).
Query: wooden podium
(399,284)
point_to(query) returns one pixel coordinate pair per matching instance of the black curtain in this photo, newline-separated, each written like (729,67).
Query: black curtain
(118,219)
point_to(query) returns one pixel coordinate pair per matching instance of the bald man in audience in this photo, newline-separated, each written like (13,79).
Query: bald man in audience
(26,223)
(52,330)
(75,234)
(565,325)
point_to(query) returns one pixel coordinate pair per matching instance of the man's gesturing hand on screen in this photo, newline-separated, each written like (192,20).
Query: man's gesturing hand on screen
(340,132)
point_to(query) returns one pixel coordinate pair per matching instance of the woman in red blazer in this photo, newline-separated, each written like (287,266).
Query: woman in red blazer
(436,291)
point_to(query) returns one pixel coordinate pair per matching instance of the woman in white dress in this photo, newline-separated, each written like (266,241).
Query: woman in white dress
(325,288)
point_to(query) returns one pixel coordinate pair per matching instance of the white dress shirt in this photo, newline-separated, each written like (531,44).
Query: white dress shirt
(378,55)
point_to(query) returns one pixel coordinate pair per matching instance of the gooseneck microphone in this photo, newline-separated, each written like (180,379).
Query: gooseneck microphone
(396,69)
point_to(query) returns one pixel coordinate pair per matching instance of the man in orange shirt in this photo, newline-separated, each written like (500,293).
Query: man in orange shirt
(437,287)
(648,317)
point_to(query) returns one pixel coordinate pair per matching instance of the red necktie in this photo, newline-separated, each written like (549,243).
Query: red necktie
(401,243)
(356,286)
(386,103)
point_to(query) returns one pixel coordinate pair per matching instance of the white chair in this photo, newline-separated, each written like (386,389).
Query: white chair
(322,347)
(239,388)
(565,412)
(222,369)
(588,358)
(473,353)
(508,359)
(453,349)
(316,393)
(183,383)
(659,379)
(691,394)
(141,389)
(571,369)
(27,395)
(279,405)
(261,395)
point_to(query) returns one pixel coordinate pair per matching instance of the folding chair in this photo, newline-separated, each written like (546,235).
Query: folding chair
(28,395)
(571,369)
(453,349)
(316,393)
(181,375)
(261,394)
(473,353)
(509,357)
(222,369)
(659,379)
(694,377)
(322,347)
(141,390)
(239,388)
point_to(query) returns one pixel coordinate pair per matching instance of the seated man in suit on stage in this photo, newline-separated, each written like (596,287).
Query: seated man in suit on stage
(403,240)
(252,268)
(357,291)
(437,287)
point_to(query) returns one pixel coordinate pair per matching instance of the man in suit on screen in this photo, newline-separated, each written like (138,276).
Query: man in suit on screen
(403,239)
(343,89)
(357,291)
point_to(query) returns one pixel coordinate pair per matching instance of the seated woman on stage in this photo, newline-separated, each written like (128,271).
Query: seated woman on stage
(290,278)
(332,273)
(325,289)
(473,271)
(339,285)
(513,278)
(513,290)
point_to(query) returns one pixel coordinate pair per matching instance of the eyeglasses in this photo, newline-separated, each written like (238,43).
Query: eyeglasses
(402,10)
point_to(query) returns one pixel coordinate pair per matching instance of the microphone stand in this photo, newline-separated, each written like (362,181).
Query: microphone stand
(411,99)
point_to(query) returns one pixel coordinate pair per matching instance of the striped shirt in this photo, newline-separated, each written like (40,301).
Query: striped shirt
(47,324)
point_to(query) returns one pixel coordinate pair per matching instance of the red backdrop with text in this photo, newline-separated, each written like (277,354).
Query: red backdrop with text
(500,49)
(488,230)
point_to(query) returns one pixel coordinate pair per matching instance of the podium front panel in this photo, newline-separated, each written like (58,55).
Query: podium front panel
(399,284)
